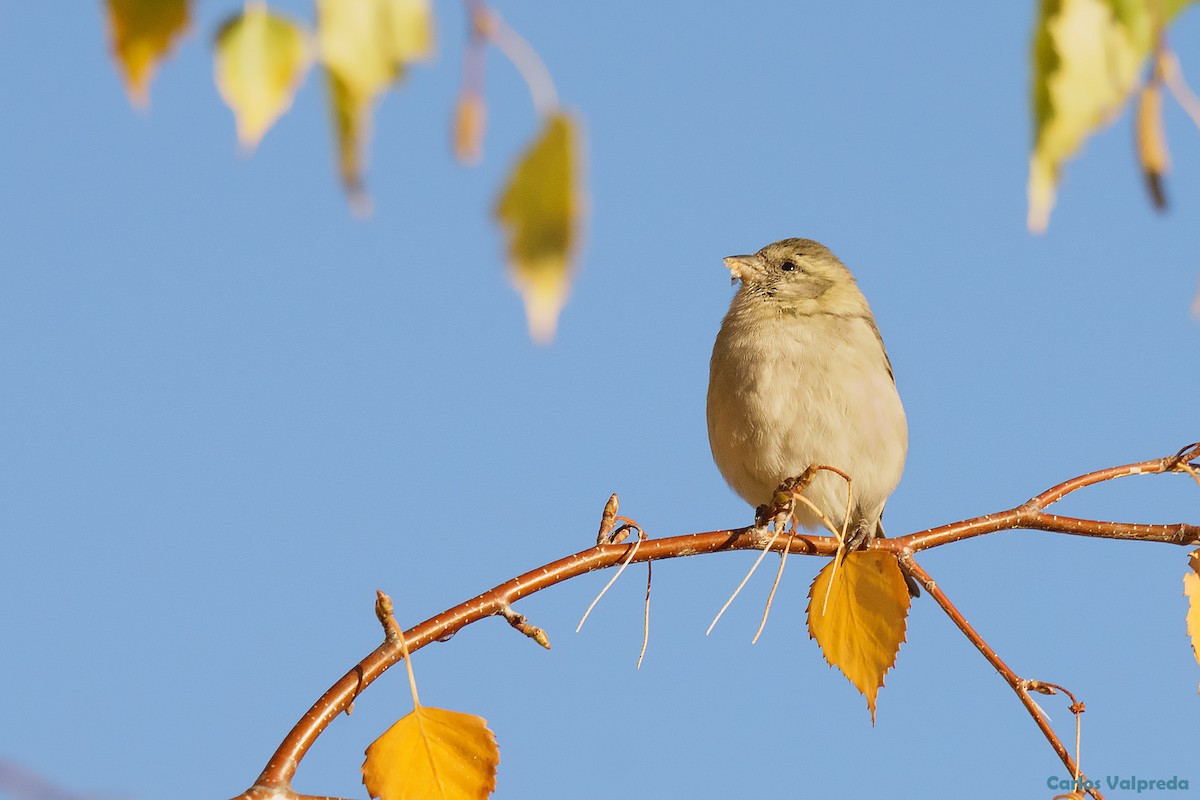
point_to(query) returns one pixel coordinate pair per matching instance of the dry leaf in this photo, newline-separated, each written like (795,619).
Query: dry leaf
(540,208)
(1152,142)
(141,33)
(261,59)
(433,753)
(861,626)
(1191,589)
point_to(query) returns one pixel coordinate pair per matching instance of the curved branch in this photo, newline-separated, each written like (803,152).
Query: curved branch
(275,780)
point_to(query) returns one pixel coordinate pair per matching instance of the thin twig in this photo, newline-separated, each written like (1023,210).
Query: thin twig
(646,615)
(524,58)
(521,624)
(770,597)
(632,552)
(1018,684)
(745,580)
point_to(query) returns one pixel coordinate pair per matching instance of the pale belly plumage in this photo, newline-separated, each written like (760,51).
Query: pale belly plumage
(833,405)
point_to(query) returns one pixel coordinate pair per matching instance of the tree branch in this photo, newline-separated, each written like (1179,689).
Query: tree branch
(275,780)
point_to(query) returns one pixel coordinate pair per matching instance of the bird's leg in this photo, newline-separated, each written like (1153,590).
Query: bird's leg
(859,537)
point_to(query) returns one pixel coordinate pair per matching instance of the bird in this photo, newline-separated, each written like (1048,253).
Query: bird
(799,377)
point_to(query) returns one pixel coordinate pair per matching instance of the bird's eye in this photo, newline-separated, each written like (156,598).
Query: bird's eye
(788,266)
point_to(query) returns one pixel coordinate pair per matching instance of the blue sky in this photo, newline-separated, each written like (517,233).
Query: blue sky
(231,411)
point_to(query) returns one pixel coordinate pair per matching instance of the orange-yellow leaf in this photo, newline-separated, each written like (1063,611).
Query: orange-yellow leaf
(470,116)
(141,33)
(1152,141)
(861,626)
(261,59)
(433,754)
(1191,588)
(540,209)
(410,27)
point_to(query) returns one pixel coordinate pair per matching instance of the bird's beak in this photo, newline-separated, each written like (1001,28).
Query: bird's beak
(744,268)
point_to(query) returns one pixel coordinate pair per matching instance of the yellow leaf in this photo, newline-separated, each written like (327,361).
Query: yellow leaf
(141,33)
(261,58)
(410,26)
(540,209)
(433,753)
(1191,589)
(354,46)
(861,626)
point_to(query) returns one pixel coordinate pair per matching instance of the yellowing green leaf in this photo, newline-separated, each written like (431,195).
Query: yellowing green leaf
(1191,589)
(141,33)
(261,59)
(1086,58)
(410,26)
(433,754)
(539,209)
(364,45)
(862,624)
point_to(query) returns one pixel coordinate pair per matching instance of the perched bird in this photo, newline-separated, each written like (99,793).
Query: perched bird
(799,376)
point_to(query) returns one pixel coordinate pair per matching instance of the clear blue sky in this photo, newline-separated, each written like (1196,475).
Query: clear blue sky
(230,411)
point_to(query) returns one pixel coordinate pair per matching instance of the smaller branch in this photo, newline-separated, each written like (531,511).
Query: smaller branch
(523,57)
(1018,684)
(1077,708)
(519,622)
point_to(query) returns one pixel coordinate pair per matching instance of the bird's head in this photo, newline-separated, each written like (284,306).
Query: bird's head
(798,274)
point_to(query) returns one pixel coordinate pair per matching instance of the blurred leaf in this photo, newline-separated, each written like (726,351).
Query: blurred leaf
(353,44)
(433,753)
(1151,139)
(861,626)
(261,59)
(410,25)
(540,208)
(1152,142)
(364,45)
(351,124)
(1086,59)
(1191,589)
(141,33)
